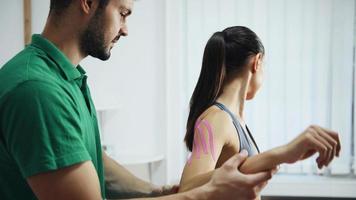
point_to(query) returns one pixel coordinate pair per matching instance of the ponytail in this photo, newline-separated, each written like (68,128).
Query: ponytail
(209,84)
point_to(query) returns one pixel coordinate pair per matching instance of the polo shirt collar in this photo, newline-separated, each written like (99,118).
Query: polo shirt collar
(81,70)
(70,71)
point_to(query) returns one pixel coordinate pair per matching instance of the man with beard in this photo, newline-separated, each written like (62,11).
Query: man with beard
(49,138)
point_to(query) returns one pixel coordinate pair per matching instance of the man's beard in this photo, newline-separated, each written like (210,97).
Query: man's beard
(92,41)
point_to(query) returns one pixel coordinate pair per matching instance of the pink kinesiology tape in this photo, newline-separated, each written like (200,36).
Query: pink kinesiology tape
(200,137)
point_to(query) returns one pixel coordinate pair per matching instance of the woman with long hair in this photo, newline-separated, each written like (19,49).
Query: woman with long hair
(231,73)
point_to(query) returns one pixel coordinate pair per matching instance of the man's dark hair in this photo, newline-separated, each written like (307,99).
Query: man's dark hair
(58,6)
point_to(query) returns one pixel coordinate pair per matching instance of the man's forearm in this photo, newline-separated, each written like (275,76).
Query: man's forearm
(200,193)
(195,181)
(121,184)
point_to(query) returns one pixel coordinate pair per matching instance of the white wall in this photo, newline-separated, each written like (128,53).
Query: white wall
(12,25)
(12,37)
(39,9)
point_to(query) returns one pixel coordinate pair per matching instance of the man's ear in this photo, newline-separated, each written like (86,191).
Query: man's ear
(87,6)
(256,64)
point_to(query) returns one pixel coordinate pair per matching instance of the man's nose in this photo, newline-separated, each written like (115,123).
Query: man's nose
(124,31)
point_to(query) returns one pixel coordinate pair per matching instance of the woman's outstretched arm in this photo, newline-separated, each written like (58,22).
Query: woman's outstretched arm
(314,139)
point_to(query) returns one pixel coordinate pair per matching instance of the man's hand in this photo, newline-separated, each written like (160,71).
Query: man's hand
(228,183)
(165,190)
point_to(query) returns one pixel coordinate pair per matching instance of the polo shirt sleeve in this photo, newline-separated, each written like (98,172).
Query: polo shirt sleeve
(42,128)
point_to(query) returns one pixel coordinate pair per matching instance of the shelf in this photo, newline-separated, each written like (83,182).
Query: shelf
(138,159)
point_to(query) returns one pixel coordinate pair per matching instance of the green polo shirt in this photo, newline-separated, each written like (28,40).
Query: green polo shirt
(47,118)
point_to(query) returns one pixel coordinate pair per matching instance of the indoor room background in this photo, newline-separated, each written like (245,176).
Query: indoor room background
(142,93)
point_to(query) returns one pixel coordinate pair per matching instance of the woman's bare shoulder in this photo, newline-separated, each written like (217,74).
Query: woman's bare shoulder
(219,120)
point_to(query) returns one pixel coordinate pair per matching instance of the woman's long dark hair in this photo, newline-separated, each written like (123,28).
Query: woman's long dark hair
(225,53)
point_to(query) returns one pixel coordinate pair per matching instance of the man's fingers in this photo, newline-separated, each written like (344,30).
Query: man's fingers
(260,187)
(275,170)
(236,160)
(258,178)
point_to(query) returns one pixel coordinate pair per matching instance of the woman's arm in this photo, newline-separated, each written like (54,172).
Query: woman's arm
(210,136)
(265,161)
(314,139)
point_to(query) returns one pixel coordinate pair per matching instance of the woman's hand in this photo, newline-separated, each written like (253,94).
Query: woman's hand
(313,139)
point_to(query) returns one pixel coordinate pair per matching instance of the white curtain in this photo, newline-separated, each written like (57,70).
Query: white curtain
(309,66)
(354,99)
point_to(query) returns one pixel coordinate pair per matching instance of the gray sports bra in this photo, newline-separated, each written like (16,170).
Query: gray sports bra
(245,143)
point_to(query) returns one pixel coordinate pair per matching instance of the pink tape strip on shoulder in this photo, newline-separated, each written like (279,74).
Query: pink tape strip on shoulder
(211,139)
(201,138)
